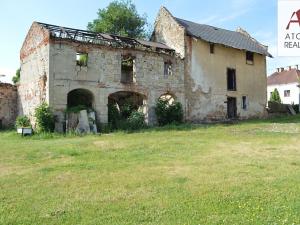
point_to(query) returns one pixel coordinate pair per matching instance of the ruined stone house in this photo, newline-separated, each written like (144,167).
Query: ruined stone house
(216,74)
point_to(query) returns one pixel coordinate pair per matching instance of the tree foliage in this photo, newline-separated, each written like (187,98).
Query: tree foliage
(120,18)
(16,78)
(275,97)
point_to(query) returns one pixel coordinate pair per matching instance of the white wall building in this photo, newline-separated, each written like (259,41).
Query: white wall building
(286,82)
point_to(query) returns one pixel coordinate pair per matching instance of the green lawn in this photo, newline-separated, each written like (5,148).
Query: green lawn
(247,173)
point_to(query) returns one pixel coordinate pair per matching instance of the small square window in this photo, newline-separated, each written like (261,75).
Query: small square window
(168,69)
(81,59)
(212,48)
(250,58)
(287,93)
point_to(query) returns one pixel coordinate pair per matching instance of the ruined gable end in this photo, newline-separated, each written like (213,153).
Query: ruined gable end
(36,38)
(168,31)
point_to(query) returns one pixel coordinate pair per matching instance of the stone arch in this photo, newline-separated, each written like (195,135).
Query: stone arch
(138,101)
(81,96)
(168,96)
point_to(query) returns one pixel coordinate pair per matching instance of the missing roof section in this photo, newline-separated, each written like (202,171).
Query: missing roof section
(115,41)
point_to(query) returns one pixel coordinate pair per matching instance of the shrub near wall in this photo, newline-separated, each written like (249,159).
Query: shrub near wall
(44,118)
(167,113)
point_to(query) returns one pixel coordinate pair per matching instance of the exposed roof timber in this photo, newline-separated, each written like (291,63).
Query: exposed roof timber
(78,35)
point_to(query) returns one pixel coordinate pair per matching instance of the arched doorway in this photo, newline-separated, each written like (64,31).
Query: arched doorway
(80,97)
(168,97)
(123,103)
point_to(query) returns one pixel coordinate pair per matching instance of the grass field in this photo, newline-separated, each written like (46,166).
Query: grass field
(247,173)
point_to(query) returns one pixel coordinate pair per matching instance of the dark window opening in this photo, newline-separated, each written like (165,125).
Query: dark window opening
(212,48)
(231,79)
(81,59)
(244,102)
(168,69)
(287,93)
(127,69)
(250,58)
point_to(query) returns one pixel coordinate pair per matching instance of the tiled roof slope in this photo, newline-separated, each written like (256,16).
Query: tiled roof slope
(285,77)
(228,38)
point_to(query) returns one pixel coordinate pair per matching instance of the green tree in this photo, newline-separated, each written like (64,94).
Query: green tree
(16,78)
(275,97)
(120,18)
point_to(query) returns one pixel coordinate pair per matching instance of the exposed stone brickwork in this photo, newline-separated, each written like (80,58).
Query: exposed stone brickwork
(8,103)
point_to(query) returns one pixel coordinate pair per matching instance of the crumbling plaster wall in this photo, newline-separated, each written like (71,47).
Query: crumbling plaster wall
(206,82)
(102,76)
(169,32)
(34,84)
(8,103)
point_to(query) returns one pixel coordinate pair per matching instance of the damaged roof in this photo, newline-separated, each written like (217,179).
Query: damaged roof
(235,39)
(284,77)
(77,35)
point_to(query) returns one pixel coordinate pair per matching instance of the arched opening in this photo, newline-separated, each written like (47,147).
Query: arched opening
(80,98)
(168,97)
(121,104)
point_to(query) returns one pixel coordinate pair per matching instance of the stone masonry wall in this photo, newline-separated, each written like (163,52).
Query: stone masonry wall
(102,76)
(34,84)
(8,105)
(169,32)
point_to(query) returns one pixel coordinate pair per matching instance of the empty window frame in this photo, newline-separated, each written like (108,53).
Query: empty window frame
(168,69)
(127,69)
(244,102)
(81,59)
(212,48)
(287,93)
(249,58)
(231,79)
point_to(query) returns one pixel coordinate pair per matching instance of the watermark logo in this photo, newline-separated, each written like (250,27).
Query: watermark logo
(293,20)
(289,28)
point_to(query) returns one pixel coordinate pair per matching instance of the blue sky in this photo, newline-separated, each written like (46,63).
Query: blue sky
(258,17)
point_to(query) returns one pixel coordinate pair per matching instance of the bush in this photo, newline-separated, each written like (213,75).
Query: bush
(22,121)
(168,113)
(44,118)
(135,121)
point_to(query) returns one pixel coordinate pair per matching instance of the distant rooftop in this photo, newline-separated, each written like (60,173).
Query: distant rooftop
(77,35)
(284,77)
(236,39)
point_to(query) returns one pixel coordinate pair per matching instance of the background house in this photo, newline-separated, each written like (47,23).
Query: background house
(286,81)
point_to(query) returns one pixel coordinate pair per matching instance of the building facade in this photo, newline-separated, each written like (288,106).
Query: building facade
(213,79)
(286,81)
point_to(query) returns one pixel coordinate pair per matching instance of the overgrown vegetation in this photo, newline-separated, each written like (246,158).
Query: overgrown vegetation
(120,18)
(275,97)
(168,113)
(45,120)
(16,78)
(22,121)
(127,117)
